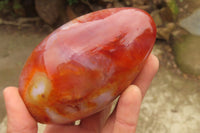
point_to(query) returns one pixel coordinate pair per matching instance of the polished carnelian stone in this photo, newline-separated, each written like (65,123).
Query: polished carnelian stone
(85,64)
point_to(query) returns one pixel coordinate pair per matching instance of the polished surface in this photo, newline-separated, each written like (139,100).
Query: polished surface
(83,65)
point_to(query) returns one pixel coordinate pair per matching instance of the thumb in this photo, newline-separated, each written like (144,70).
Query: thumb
(124,118)
(127,112)
(19,119)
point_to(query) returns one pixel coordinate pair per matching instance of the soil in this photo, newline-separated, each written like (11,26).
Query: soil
(186,7)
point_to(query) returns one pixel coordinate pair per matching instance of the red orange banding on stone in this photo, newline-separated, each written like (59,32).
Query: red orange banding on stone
(85,64)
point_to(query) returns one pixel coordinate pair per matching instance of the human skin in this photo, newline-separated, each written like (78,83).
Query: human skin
(123,119)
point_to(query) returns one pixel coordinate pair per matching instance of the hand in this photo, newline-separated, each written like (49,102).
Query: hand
(122,120)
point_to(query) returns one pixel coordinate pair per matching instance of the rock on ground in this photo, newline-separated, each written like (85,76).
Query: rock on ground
(51,11)
(192,23)
(187,54)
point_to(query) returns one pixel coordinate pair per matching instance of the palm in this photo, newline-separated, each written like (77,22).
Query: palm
(123,119)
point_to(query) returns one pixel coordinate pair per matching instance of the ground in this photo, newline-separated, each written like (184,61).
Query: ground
(16,45)
(170,106)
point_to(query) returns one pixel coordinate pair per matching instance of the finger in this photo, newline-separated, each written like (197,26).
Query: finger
(61,129)
(108,127)
(125,118)
(128,110)
(97,121)
(19,119)
(145,77)
(65,129)
(70,127)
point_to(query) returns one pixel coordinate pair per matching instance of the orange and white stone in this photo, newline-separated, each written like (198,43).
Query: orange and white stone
(85,64)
